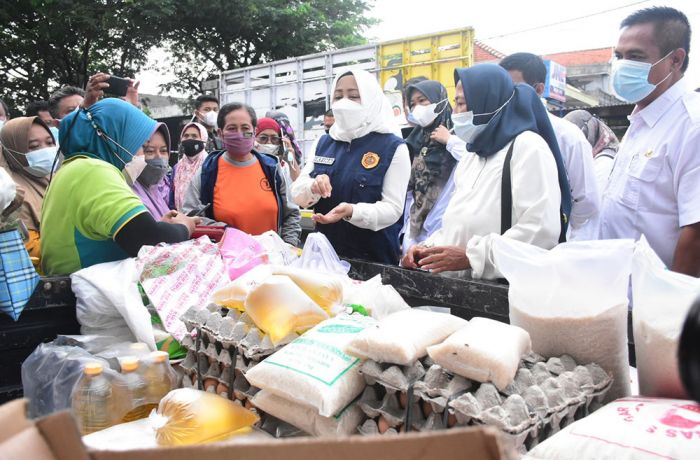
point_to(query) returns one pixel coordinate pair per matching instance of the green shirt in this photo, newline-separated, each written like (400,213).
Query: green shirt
(86,205)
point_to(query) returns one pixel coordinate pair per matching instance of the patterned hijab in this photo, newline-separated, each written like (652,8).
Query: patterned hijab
(187,167)
(432,163)
(599,135)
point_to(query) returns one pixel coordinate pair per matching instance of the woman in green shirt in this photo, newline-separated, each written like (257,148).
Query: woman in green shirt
(90,214)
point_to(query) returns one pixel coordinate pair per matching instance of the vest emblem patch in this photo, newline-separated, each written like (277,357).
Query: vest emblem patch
(370,160)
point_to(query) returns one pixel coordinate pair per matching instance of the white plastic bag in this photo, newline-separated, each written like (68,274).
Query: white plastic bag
(662,299)
(318,254)
(233,294)
(307,419)
(402,337)
(313,370)
(630,428)
(278,252)
(380,300)
(483,350)
(108,302)
(572,300)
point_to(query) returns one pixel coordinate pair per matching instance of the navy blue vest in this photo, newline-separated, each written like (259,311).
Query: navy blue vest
(356,172)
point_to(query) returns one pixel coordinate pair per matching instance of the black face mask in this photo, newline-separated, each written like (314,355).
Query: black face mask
(328,130)
(192,147)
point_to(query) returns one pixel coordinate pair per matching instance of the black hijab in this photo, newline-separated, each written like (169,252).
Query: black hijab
(432,163)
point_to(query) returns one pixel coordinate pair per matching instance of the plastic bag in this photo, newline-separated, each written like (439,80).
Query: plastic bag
(306,418)
(279,307)
(402,338)
(241,252)
(49,375)
(325,289)
(318,254)
(278,252)
(313,370)
(188,416)
(572,300)
(630,428)
(108,302)
(662,299)
(380,300)
(484,350)
(233,294)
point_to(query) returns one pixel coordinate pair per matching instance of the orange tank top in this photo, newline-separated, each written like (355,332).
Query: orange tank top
(244,198)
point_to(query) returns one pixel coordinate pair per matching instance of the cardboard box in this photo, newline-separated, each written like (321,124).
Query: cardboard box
(56,437)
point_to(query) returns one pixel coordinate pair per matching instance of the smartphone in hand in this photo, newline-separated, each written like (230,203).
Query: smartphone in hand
(117,86)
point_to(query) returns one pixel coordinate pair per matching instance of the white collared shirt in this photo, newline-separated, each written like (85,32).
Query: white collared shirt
(577,155)
(473,216)
(654,187)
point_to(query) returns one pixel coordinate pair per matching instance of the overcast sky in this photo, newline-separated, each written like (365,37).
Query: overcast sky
(538,26)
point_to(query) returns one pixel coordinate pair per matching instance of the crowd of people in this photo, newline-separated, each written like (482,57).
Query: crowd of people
(492,161)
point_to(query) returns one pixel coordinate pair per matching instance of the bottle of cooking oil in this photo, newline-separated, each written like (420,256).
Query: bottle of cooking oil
(159,376)
(137,388)
(93,400)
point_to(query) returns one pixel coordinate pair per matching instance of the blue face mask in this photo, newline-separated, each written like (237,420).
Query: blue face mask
(54,131)
(41,161)
(630,79)
(464,126)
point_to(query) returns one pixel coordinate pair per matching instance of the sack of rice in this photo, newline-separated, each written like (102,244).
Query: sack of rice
(662,299)
(484,350)
(306,418)
(572,300)
(402,337)
(313,370)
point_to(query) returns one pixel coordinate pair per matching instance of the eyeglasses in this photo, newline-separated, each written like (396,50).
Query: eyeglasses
(266,139)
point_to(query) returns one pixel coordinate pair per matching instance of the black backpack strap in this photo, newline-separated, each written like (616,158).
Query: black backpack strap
(507,193)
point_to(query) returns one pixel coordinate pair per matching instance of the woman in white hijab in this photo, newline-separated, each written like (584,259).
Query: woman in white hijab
(357,178)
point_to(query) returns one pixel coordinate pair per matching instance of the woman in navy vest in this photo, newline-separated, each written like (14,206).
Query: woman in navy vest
(357,178)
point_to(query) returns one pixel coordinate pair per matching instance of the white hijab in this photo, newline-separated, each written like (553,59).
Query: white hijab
(379,116)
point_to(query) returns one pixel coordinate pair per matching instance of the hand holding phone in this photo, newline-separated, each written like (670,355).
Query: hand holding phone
(200,212)
(117,86)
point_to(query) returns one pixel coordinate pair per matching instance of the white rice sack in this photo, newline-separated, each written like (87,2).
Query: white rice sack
(306,418)
(662,299)
(572,300)
(402,338)
(484,350)
(629,428)
(313,370)
(380,300)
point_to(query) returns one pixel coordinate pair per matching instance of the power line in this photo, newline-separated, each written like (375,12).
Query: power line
(565,21)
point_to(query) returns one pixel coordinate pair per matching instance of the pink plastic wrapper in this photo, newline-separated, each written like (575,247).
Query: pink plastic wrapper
(241,253)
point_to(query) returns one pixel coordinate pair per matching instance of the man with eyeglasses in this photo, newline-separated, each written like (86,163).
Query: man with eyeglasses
(654,187)
(575,150)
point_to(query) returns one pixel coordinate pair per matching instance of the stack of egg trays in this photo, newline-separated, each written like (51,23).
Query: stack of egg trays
(543,398)
(407,398)
(226,344)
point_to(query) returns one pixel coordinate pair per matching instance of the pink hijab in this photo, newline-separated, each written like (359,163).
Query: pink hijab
(187,167)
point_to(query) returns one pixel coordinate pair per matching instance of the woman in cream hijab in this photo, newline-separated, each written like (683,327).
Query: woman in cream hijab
(357,178)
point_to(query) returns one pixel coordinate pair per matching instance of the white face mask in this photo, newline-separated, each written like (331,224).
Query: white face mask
(270,149)
(134,168)
(425,115)
(349,115)
(41,161)
(465,128)
(210,118)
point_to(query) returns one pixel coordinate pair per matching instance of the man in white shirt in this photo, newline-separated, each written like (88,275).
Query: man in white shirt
(575,150)
(654,187)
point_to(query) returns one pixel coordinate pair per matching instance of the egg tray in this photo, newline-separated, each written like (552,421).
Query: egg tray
(544,397)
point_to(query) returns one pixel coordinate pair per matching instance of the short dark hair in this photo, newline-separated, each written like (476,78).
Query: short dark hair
(202,98)
(671,28)
(329,113)
(530,65)
(33,108)
(232,107)
(61,94)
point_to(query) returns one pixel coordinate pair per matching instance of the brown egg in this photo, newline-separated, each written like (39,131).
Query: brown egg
(427,409)
(451,420)
(222,390)
(210,385)
(403,400)
(382,424)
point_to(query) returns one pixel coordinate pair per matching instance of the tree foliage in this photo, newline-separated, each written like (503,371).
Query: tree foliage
(49,43)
